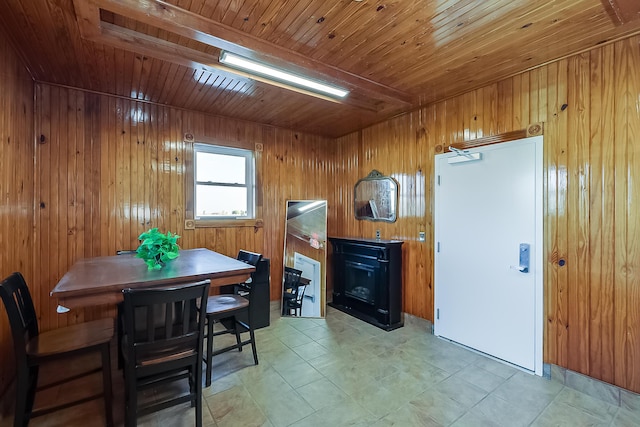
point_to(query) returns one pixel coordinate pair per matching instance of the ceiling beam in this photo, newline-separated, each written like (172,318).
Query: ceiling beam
(190,25)
(146,45)
(622,11)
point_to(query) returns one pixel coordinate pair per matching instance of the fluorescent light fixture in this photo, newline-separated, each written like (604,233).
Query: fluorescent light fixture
(276,74)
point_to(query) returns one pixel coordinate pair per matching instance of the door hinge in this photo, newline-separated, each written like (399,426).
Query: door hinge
(438,247)
(438,179)
(438,314)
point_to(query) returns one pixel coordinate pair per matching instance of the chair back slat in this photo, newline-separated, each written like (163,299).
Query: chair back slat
(186,316)
(20,311)
(173,323)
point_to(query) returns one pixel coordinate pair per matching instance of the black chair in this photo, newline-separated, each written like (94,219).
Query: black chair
(225,309)
(163,343)
(127,252)
(119,314)
(32,349)
(293,292)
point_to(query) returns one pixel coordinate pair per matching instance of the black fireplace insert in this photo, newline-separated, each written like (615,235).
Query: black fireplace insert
(367,280)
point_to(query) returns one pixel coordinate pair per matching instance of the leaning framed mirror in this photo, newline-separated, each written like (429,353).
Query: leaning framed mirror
(305,259)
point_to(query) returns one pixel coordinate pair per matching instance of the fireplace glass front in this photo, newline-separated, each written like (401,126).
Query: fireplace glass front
(360,282)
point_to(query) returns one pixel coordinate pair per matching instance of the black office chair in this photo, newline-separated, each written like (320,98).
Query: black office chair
(32,349)
(293,292)
(163,343)
(226,309)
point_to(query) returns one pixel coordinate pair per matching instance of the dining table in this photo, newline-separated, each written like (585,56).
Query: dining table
(100,280)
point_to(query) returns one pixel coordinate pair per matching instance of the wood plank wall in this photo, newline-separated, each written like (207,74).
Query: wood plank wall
(16,183)
(590,106)
(110,168)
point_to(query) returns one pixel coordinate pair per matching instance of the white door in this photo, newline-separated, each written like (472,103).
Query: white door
(311,270)
(488,203)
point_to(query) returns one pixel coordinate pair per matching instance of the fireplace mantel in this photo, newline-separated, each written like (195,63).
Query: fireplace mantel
(367,280)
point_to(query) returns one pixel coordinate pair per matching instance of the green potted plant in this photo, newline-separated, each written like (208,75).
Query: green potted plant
(157,248)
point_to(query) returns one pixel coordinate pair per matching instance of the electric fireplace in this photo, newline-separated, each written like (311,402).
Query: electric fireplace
(367,280)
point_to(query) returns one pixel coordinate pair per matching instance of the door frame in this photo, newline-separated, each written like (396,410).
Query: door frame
(315,280)
(538,246)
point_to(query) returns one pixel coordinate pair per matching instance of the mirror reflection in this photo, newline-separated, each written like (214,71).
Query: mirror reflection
(305,254)
(375,198)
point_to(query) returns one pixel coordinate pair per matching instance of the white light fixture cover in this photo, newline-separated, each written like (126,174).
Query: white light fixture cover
(283,76)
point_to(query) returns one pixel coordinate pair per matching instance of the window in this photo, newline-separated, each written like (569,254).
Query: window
(224,182)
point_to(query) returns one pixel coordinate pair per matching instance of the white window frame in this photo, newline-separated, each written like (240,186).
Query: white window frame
(250,178)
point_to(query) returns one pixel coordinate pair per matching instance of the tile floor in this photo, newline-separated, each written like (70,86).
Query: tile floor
(340,371)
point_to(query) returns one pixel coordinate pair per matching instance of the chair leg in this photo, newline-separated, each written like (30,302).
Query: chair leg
(106,384)
(26,383)
(119,333)
(131,404)
(198,400)
(236,330)
(209,350)
(253,345)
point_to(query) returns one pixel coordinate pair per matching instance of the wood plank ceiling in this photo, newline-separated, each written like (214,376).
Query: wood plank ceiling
(392,55)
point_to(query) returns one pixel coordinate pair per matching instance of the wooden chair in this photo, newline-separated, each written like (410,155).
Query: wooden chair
(163,343)
(292,296)
(225,310)
(32,349)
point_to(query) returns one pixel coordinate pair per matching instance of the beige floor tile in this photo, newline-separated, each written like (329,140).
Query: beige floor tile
(437,406)
(310,350)
(264,384)
(500,369)
(625,418)
(321,394)
(461,391)
(340,371)
(594,407)
(505,413)
(474,420)
(528,390)
(299,374)
(284,408)
(558,414)
(593,387)
(347,413)
(317,332)
(481,378)
(236,407)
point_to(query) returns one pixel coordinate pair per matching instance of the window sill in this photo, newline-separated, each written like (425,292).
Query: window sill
(228,223)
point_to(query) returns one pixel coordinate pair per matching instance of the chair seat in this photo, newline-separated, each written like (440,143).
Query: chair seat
(219,304)
(71,338)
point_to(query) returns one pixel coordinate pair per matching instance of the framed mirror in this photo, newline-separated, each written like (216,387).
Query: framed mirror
(305,259)
(376,198)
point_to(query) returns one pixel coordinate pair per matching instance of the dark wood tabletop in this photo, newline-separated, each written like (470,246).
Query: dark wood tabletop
(100,280)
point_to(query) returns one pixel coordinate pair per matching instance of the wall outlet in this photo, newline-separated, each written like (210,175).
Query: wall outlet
(378,234)
(422,236)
